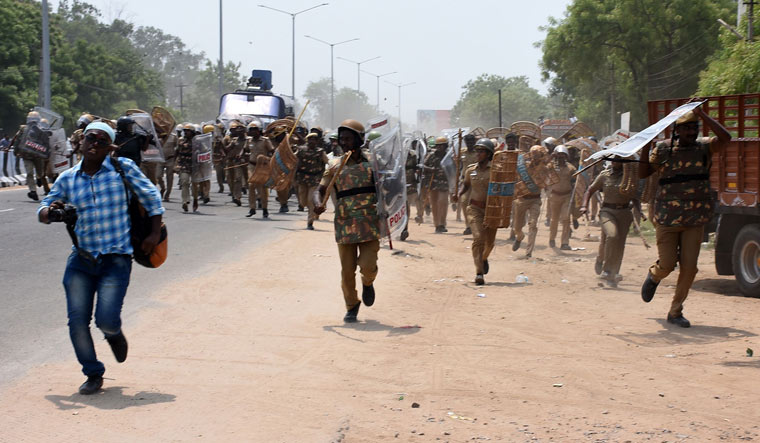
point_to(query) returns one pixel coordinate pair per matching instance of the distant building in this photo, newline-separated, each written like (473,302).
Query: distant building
(433,121)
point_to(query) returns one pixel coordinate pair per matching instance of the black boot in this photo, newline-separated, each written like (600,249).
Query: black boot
(266,213)
(251,212)
(479,280)
(33,195)
(351,314)
(284,208)
(679,321)
(404,235)
(368,295)
(648,288)
(467,231)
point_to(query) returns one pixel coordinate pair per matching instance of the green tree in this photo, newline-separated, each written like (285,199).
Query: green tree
(348,104)
(629,52)
(168,55)
(735,68)
(202,102)
(479,103)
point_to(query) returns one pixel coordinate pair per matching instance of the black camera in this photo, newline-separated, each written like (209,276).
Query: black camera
(66,215)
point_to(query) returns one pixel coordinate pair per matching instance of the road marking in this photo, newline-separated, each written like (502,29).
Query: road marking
(7,210)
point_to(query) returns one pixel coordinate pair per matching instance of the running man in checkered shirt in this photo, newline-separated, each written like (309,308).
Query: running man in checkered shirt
(102,262)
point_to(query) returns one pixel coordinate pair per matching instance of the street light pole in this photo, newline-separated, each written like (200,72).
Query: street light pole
(359,69)
(399,86)
(221,56)
(332,74)
(45,56)
(378,84)
(293,28)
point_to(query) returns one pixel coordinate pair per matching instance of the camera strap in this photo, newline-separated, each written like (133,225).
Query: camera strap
(82,253)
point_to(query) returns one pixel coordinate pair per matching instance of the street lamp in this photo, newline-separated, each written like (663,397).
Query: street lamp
(293,17)
(332,74)
(399,86)
(221,53)
(378,84)
(358,70)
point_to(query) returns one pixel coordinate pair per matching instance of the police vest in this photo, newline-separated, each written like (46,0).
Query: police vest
(356,218)
(683,197)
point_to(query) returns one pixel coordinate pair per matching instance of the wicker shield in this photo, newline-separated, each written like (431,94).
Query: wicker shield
(283,165)
(497,133)
(501,189)
(262,172)
(578,130)
(164,122)
(526,129)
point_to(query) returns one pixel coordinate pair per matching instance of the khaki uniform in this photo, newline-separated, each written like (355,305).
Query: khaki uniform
(434,180)
(559,203)
(467,158)
(357,225)
(76,144)
(166,169)
(262,146)
(412,182)
(184,158)
(681,209)
(615,217)
(32,165)
(483,237)
(527,206)
(233,152)
(218,159)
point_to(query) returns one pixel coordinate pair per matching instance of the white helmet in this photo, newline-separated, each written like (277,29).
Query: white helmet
(562,149)
(549,141)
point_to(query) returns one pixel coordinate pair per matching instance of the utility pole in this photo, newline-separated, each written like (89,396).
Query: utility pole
(399,86)
(750,18)
(612,98)
(181,101)
(45,56)
(358,69)
(221,53)
(500,108)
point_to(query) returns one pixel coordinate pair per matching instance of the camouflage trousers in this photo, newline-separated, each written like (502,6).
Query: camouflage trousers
(365,256)
(669,240)
(483,237)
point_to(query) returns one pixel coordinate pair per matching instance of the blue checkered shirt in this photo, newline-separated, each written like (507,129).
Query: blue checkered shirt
(103,224)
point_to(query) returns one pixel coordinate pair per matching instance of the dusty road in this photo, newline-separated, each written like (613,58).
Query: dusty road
(256,350)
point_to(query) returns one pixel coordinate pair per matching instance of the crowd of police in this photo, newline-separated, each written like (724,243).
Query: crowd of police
(341,163)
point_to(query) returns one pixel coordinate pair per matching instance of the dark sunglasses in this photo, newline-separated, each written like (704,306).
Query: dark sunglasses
(98,141)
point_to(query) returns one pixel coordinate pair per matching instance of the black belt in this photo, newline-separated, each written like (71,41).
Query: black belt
(683,178)
(615,205)
(356,191)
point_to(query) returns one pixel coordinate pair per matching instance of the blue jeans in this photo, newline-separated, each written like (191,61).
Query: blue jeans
(109,277)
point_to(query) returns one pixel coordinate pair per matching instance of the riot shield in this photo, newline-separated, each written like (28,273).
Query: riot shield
(35,142)
(203,168)
(54,119)
(449,166)
(58,151)
(388,160)
(144,126)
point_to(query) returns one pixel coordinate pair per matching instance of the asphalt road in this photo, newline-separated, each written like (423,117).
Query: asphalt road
(33,257)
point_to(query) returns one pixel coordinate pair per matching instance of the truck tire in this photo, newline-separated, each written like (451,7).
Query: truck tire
(746,260)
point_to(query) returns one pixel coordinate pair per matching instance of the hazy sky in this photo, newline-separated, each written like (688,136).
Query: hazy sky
(440,45)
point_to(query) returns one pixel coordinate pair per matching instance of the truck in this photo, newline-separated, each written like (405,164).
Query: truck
(735,183)
(256,101)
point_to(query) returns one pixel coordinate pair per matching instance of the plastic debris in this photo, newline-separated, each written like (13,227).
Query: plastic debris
(564,280)
(558,385)
(522,278)
(750,352)
(481,295)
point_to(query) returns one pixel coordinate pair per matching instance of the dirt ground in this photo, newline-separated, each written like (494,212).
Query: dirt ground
(257,351)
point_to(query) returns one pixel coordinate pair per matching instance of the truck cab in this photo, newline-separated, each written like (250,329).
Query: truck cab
(256,101)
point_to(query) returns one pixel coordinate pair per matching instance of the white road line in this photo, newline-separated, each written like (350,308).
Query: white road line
(7,210)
